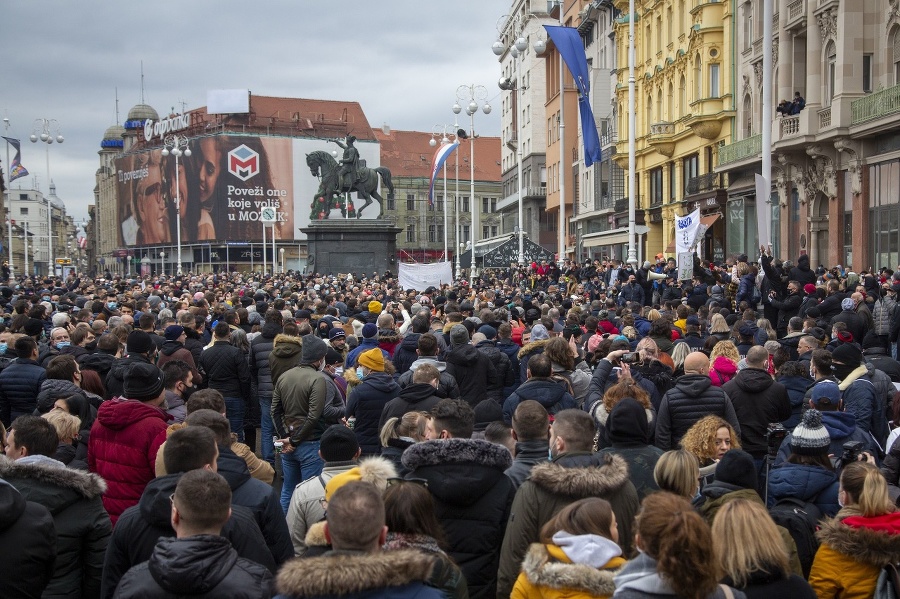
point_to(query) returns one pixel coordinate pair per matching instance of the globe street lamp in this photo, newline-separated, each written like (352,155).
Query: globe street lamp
(281,253)
(177,145)
(474,97)
(162,260)
(447,138)
(43,129)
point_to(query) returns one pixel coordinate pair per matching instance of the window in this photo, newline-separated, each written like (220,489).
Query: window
(465,233)
(391,202)
(830,73)
(465,204)
(659,106)
(714,80)
(656,186)
(439,203)
(670,38)
(670,101)
(748,116)
(23,196)
(432,233)
(659,34)
(748,26)
(673,189)
(895,54)
(488,231)
(411,202)
(489,205)
(410,233)
(690,168)
(867,73)
(23,210)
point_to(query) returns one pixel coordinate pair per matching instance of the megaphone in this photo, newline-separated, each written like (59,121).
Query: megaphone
(656,276)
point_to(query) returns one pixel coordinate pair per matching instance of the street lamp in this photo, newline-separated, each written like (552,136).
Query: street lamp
(474,97)
(162,260)
(447,138)
(281,253)
(177,145)
(43,130)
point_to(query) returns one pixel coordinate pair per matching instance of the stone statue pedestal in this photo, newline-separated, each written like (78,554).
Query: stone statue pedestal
(351,246)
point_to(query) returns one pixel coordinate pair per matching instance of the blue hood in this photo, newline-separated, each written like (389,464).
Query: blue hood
(839,425)
(806,483)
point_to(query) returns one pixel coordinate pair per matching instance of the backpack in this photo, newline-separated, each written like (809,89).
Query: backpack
(888,584)
(801,519)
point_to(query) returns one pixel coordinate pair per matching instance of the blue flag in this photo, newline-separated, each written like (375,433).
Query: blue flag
(571,48)
(16,170)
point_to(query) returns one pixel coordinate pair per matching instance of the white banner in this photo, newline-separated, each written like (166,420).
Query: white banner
(686,229)
(763,211)
(685,266)
(422,276)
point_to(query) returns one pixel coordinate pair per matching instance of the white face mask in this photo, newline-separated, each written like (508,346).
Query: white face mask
(321,365)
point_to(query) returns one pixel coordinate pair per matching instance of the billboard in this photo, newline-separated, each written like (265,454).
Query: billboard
(223,185)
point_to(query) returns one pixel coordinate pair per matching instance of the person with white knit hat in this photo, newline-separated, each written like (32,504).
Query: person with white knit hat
(808,474)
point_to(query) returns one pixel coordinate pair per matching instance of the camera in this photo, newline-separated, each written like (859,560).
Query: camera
(775,434)
(852,451)
(630,358)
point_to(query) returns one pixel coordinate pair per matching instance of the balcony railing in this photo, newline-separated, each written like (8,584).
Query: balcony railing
(739,150)
(790,126)
(874,106)
(825,118)
(706,182)
(796,9)
(662,128)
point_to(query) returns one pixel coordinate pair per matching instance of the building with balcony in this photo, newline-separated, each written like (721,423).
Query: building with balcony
(28,210)
(684,113)
(835,192)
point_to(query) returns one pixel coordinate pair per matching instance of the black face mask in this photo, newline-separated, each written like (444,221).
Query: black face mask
(842,371)
(188,391)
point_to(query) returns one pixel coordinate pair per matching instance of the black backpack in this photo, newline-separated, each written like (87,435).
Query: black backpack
(801,519)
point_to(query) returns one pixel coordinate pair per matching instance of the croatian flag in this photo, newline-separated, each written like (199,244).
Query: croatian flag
(440,157)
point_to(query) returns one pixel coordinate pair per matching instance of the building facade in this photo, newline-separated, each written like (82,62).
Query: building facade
(28,210)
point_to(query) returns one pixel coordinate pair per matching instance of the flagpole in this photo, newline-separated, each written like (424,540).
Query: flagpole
(563,226)
(632,131)
(8,196)
(445,209)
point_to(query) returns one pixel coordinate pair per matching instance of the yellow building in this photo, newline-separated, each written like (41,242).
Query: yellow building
(684,106)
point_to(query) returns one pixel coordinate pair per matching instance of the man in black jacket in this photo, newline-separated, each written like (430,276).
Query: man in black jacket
(199,561)
(787,307)
(228,372)
(261,378)
(141,526)
(420,396)
(138,348)
(531,430)
(20,382)
(472,370)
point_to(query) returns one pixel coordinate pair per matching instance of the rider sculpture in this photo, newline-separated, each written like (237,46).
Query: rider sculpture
(349,173)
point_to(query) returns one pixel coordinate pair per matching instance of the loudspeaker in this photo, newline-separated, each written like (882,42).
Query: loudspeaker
(656,276)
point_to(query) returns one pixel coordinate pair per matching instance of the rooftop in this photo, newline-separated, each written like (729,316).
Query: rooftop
(408,154)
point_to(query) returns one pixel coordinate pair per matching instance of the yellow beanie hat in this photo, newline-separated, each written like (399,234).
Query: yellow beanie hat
(340,480)
(375,307)
(372,359)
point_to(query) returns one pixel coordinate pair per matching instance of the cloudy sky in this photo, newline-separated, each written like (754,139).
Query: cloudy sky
(402,60)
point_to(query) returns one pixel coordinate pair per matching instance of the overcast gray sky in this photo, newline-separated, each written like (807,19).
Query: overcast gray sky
(402,60)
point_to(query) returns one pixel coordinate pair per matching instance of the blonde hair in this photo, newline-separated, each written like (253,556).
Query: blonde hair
(764,324)
(724,348)
(629,332)
(678,471)
(700,439)
(411,425)
(66,425)
(867,488)
(647,347)
(746,541)
(679,353)
(717,324)
(653,314)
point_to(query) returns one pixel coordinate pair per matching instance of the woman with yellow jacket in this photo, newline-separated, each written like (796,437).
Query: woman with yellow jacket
(860,540)
(577,557)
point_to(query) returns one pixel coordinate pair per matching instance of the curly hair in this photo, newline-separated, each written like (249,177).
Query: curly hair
(625,388)
(557,349)
(700,439)
(724,348)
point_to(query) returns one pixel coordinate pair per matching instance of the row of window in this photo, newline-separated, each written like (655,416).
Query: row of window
(435,233)
(690,167)
(414,203)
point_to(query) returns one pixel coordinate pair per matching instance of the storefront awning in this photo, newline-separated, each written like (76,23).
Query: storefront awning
(706,221)
(614,237)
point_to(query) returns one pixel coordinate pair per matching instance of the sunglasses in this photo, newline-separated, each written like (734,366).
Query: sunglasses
(398,480)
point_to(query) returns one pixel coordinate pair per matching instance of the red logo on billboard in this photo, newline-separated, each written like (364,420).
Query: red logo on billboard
(243,162)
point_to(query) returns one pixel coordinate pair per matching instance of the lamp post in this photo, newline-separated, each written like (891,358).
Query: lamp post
(474,97)
(43,130)
(162,261)
(178,146)
(8,207)
(281,253)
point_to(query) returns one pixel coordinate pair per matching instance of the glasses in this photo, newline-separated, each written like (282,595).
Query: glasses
(172,498)
(397,480)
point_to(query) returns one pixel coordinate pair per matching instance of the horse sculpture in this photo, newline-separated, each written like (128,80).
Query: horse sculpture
(324,166)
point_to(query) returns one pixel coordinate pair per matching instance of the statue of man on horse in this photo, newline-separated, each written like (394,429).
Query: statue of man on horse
(344,176)
(349,173)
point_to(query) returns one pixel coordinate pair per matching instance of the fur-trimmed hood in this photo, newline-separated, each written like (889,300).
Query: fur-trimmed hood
(873,541)
(55,488)
(282,339)
(581,475)
(336,574)
(457,451)
(543,569)
(532,346)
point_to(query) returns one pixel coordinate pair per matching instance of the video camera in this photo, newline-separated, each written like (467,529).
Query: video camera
(852,451)
(775,434)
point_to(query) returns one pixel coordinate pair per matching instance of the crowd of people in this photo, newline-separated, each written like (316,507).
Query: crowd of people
(572,430)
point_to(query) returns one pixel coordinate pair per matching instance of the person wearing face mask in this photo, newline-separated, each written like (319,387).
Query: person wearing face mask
(859,393)
(367,400)
(179,381)
(173,349)
(298,402)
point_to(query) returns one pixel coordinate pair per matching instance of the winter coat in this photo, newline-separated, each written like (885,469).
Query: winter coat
(417,397)
(115,380)
(855,324)
(261,499)
(877,357)
(227,370)
(82,525)
(757,400)
(202,566)
(141,526)
(364,346)
(405,352)
(852,553)
(547,392)
(763,585)
(122,450)
(802,273)
(640,579)
(512,352)
(174,350)
(505,376)
(384,574)
(808,483)
(474,373)
(27,545)
(796,387)
(388,340)
(548,573)
(472,499)
(194,344)
(745,289)
(787,308)
(366,403)
(20,383)
(99,362)
(862,399)
(841,427)
(260,348)
(553,486)
(528,350)
(285,355)
(692,398)
(722,371)
(447,386)
(445,575)
(528,455)
(298,403)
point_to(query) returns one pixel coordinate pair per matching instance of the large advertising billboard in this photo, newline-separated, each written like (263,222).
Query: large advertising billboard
(222,186)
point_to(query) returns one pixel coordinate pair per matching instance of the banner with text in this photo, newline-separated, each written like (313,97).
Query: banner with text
(422,276)
(686,230)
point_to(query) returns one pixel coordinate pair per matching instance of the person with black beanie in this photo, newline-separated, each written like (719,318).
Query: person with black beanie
(629,433)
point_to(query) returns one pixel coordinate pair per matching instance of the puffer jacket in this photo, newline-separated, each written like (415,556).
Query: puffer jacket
(82,525)
(474,373)
(863,400)
(757,400)
(227,370)
(884,317)
(548,573)
(505,376)
(745,289)
(554,485)
(417,397)
(472,499)
(201,566)
(852,553)
(808,483)
(692,398)
(405,352)
(285,355)
(549,393)
(99,362)
(27,545)
(20,383)
(366,403)
(122,449)
(260,348)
